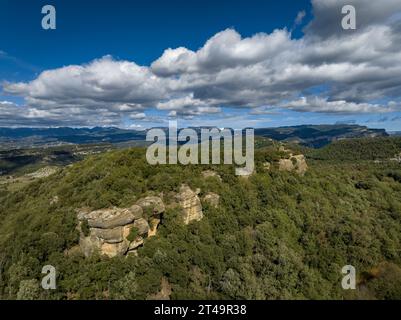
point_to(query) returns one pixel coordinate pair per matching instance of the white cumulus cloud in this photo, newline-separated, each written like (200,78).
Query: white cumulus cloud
(333,70)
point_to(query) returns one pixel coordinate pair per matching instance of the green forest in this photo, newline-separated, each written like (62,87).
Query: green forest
(274,235)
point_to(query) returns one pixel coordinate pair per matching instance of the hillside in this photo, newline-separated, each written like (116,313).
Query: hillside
(274,235)
(380,148)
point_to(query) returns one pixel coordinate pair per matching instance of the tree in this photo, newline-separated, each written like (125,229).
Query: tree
(28,290)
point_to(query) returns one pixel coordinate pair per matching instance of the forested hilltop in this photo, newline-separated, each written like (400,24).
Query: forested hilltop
(281,233)
(380,148)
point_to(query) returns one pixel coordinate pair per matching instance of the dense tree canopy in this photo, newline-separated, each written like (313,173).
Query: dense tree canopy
(275,235)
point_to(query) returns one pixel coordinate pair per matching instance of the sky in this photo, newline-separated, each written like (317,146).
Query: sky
(254,63)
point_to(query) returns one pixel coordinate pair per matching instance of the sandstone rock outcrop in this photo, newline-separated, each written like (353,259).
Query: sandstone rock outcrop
(212,198)
(119,231)
(152,203)
(210,173)
(109,231)
(136,243)
(294,163)
(190,203)
(142,226)
(111,218)
(153,224)
(245,173)
(154,207)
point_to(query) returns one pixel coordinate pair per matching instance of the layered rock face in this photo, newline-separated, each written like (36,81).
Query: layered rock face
(155,204)
(294,163)
(153,207)
(190,203)
(118,231)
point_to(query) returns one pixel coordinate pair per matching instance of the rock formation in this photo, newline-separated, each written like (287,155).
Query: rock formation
(210,173)
(154,207)
(153,204)
(245,173)
(294,163)
(118,231)
(212,198)
(153,225)
(190,203)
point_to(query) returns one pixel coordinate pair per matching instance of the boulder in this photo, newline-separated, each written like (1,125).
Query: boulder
(114,249)
(155,204)
(285,165)
(301,166)
(110,242)
(294,163)
(190,203)
(212,198)
(210,173)
(142,226)
(136,244)
(136,211)
(90,245)
(108,218)
(244,172)
(114,235)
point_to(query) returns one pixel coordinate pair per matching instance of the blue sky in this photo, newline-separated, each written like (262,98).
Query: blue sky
(132,30)
(139,32)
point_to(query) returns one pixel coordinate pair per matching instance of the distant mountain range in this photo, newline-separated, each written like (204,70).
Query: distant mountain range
(317,136)
(34,137)
(309,135)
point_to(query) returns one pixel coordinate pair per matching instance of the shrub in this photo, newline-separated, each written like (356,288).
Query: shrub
(132,234)
(85,228)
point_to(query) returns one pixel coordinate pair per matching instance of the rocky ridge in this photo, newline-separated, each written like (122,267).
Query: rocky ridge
(120,231)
